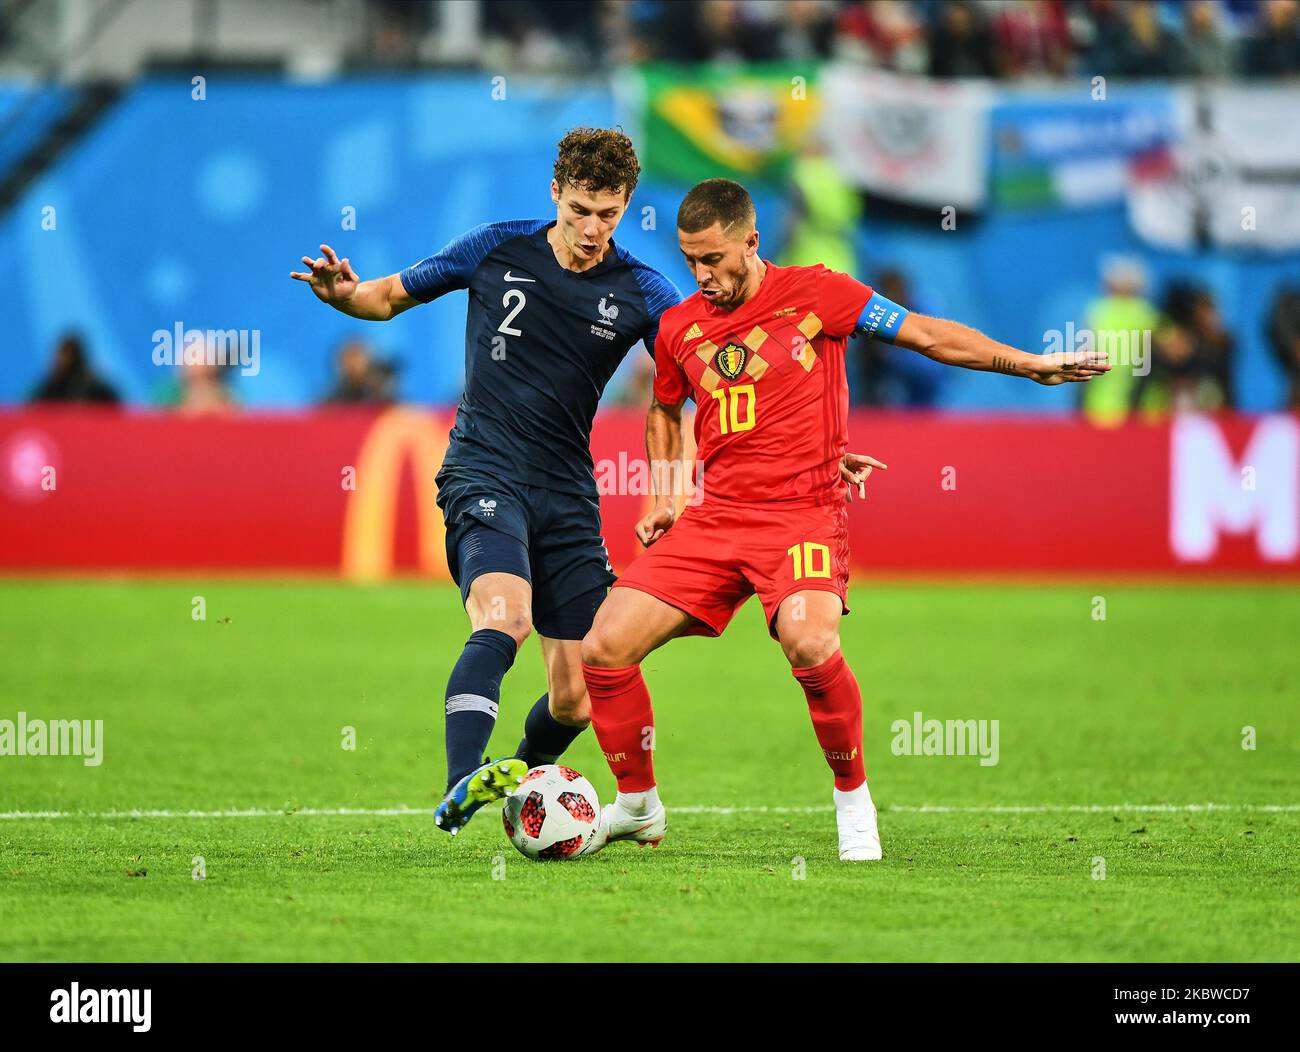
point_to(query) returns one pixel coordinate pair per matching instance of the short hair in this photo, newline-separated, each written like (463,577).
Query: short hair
(597,159)
(716,201)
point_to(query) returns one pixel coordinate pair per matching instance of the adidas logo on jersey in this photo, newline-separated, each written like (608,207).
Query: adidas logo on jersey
(694,332)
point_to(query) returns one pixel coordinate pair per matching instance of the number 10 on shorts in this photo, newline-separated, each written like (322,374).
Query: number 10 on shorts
(810,560)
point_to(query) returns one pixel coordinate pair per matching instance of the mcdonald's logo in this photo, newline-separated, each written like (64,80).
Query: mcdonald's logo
(369,525)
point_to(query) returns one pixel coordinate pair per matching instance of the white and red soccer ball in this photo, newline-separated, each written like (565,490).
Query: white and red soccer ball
(553,814)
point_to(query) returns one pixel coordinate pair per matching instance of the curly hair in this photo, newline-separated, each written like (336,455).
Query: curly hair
(597,159)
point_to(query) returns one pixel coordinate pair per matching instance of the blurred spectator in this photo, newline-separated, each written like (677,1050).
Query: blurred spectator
(726,30)
(961,44)
(1032,36)
(71,379)
(810,29)
(362,380)
(1105,33)
(1191,367)
(824,212)
(1125,323)
(883,33)
(666,32)
(1284,335)
(1273,48)
(881,374)
(1205,50)
(1214,348)
(741,31)
(1146,49)
(537,36)
(395,30)
(198,389)
(1129,40)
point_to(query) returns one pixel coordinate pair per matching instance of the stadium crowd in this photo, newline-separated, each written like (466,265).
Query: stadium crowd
(1001,39)
(1186,365)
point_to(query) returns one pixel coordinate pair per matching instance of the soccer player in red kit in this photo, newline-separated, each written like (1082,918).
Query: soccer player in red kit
(760,348)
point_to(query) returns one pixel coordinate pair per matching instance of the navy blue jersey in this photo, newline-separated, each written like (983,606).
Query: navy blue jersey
(541,343)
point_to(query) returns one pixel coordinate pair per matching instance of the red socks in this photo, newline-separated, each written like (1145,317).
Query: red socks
(623,721)
(835,703)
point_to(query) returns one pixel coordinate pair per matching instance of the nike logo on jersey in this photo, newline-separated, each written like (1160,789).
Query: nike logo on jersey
(511,277)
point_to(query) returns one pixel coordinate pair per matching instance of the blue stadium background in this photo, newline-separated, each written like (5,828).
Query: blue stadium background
(173,209)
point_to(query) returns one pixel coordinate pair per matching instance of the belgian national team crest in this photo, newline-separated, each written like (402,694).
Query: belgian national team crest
(730,360)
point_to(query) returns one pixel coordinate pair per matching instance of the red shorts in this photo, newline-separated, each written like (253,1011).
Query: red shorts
(717,555)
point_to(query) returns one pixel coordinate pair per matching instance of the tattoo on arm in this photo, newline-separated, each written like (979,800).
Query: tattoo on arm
(1003,365)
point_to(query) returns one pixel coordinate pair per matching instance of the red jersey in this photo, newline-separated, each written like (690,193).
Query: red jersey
(769,383)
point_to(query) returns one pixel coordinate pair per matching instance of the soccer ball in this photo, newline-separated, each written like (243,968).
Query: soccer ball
(553,814)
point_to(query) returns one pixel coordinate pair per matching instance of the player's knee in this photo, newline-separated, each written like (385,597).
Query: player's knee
(518,627)
(811,647)
(595,651)
(571,705)
(517,624)
(602,649)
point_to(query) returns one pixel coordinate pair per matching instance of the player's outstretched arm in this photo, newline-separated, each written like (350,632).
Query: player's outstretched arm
(335,283)
(955,344)
(663,446)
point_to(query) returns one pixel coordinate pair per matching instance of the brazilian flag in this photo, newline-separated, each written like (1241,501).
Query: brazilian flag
(745,122)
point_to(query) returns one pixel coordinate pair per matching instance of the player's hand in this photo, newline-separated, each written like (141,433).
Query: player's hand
(1069,367)
(330,278)
(855,469)
(655,524)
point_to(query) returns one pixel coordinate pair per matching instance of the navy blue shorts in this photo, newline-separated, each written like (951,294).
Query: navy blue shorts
(552,540)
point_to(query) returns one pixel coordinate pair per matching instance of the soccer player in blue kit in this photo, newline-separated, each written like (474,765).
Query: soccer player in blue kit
(554,306)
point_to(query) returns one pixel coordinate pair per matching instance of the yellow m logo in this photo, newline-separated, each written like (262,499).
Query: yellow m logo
(371,516)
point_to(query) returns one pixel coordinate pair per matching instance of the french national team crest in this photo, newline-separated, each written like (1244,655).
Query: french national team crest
(730,360)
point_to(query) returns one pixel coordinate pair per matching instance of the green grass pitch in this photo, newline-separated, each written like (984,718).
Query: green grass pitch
(247,709)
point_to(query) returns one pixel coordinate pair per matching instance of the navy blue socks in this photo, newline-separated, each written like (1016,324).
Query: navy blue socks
(545,738)
(473,693)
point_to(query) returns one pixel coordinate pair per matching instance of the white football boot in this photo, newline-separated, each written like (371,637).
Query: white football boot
(618,823)
(855,814)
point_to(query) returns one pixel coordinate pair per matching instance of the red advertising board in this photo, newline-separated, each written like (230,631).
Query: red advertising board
(351,494)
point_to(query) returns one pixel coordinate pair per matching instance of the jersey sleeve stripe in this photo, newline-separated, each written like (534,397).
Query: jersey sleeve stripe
(452,267)
(660,294)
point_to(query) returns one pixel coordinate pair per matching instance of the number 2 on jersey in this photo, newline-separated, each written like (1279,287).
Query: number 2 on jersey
(730,408)
(519,300)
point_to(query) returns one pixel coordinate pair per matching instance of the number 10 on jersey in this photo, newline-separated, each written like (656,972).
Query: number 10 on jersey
(732,402)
